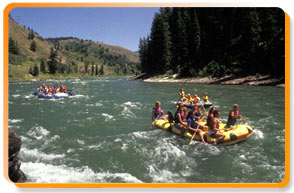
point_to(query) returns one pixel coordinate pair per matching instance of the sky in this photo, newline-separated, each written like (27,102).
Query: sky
(116,26)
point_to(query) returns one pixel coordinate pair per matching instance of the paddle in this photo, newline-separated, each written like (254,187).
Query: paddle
(193,135)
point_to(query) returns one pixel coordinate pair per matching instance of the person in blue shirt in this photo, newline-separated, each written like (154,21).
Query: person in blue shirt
(193,125)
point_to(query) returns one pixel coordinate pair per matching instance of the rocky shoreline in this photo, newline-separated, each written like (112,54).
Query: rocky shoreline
(14,171)
(264,80)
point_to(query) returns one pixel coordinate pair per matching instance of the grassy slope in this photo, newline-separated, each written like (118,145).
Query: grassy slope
(20,72)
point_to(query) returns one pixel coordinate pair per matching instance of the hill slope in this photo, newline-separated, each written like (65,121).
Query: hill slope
(75,57)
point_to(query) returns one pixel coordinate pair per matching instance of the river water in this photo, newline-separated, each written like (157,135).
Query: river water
(103,134)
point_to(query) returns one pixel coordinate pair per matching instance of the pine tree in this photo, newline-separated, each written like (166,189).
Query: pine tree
(13,48)
(93,69)
(33,46)
(96,70)
(101,71)
(52,62)
(160,44)
(36,70)
(43,66)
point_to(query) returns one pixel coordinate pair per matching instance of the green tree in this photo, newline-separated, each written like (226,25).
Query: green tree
(101,71)
(34,70)
(33,46)
(160,43)
(13,47)
(96,70)
(93,69)
(52,62)
(43,66)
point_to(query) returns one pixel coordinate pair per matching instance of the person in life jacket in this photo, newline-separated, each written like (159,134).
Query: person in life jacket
(233,116)
(189,98)
(198,112)
(193,125)
(157,112)
(205,97)
(64,89)
(180,118)
(182,94)
(214,130)
(196,99)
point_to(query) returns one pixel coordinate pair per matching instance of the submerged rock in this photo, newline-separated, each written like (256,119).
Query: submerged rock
(15,173)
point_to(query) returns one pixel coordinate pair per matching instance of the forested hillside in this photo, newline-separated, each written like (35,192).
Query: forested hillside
(194,42)
(33,57)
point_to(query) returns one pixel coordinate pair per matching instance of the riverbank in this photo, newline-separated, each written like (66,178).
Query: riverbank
(264,80)
(50,77)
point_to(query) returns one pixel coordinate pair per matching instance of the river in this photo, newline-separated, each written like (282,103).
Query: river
(103,134)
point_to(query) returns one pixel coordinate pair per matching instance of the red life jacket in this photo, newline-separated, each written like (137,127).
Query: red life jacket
(236,113)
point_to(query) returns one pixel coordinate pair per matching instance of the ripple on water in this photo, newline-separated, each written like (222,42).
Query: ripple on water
(38,132)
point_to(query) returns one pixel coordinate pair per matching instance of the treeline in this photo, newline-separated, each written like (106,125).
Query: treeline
(215,42)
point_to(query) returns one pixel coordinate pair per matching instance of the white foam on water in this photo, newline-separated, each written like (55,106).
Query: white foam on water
(90,118)
(48,173)
(81,142)
(97,146)
(108,117)
(70,150)
(242,157)
(141,134)
(38,155)
(126,112)
(98,104)
(13,126)
(166,150)
(29,96)
(16,95)
(124,147)
(164,176)
(258,134)
(78,96)
(117,139)
(213,150)
(52,139)
(15,120)
(38,132)
(135,105)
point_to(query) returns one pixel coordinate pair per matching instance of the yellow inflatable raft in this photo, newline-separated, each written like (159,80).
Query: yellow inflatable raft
(232,135)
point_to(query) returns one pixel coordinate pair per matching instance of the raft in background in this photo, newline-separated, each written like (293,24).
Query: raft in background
(189,105)
(52,96)
(233,135)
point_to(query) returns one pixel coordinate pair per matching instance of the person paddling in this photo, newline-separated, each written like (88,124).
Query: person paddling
(233,116)
(194,126)
(156,112)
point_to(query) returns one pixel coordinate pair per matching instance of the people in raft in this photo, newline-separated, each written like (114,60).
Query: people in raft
(51,90)
(191,120)
(192,99)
